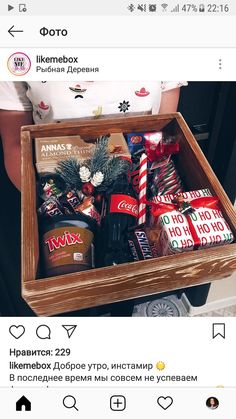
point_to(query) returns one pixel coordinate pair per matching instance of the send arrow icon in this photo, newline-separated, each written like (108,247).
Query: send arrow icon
(69,329)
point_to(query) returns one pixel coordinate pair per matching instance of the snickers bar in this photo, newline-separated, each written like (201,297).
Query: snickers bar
(139,245)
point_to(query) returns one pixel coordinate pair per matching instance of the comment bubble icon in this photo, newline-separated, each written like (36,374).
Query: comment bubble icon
(43,332)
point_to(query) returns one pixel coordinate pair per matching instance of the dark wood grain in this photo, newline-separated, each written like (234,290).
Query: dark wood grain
(129,281)
(101,127)
(100,286)
(29,225)
(200,174)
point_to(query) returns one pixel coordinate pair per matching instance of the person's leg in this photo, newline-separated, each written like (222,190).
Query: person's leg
(122,309)
(11,302)
(197,296)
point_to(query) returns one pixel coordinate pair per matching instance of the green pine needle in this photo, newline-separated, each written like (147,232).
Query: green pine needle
(101,161)
(100,156)
(69,171)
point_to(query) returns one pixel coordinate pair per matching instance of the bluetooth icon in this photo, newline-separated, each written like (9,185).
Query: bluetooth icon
(131,7)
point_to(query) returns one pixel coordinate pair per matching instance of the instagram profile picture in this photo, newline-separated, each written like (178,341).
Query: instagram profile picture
(212,403)
(18,64)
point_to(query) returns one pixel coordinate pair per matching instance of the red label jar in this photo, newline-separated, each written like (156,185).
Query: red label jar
(67,244)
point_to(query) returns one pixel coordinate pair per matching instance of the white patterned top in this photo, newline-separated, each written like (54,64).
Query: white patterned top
(57,101)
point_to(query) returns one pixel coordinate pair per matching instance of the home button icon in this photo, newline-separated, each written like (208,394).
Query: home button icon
(23,404)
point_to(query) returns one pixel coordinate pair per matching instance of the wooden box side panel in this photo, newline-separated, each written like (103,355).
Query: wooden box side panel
(198,174)
(60,295)
(99,127)
(29,225)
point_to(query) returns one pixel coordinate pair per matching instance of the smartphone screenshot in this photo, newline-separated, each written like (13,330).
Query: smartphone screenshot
(118,209)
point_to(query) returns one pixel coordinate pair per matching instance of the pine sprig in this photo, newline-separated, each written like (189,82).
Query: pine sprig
(115,167)
(69,171)
(104,168)
(100,155)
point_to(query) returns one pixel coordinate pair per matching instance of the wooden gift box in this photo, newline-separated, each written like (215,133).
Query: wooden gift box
(95,287)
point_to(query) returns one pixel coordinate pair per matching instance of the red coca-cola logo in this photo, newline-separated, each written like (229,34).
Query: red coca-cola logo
(127,206)
(124,204)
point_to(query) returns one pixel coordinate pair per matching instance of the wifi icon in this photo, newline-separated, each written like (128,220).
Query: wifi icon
(164,7)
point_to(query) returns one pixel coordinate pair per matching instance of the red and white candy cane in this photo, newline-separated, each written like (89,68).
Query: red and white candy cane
(142,189)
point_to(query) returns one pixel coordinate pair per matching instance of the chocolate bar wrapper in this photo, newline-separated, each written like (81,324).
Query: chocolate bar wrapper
(87,208)
(70,201)
(153,235)
(139,245)
(51,208)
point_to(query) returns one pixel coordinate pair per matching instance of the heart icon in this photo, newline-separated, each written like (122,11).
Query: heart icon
(165,402)
(17,331)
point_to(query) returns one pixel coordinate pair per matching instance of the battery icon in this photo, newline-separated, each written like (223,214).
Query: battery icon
(201,8)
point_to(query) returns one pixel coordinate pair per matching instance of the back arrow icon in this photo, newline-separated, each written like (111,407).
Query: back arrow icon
(11,31)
